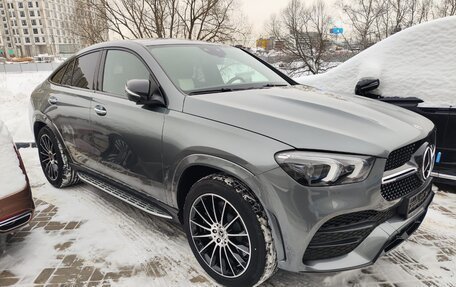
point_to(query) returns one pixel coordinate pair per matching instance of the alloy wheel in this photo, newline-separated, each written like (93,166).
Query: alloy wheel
(48,157)
(220,235)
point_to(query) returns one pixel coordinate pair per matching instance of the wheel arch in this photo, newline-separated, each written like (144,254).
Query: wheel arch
(42,121)
(37,126)
(196,166)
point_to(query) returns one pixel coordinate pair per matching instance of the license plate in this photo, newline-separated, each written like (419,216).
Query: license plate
(410,203)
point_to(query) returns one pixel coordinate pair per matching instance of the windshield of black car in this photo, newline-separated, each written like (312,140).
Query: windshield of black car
(196,69)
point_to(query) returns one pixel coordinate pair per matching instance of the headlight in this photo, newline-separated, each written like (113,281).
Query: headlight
(323,169)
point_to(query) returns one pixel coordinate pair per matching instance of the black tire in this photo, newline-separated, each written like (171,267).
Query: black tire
(234,196)
(58,173)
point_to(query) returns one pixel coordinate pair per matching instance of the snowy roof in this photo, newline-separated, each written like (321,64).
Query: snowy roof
(12,179)
(419,61)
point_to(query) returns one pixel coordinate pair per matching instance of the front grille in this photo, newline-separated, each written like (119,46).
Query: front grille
(316,253)
(397,158)
(399,188)
(400,157)
(356,218)
(342,234)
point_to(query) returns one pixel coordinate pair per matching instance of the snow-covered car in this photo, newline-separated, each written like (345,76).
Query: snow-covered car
(414,69)
(16,201)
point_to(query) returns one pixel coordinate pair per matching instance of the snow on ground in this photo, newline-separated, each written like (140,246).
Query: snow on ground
(419,61)
(112,236)
(13,179)
(15,91)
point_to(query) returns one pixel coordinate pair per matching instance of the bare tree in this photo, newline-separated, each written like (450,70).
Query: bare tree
(422,11)
(400,14)
(89,26)
(446,8)
(208,20)
(304,31)
(393,17)
(363,16)
(375,20)
(212,20)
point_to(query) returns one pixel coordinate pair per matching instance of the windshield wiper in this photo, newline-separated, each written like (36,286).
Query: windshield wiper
(272,85)
(225,89)
(210,91)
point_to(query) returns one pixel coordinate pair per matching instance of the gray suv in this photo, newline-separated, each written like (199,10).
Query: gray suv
(262,173)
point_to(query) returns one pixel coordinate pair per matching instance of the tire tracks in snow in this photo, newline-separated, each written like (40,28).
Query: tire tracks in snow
(155,247)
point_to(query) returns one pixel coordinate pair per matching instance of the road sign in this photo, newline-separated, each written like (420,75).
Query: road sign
(336,31)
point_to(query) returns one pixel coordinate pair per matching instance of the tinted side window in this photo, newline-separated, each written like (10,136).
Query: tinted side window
(120,67)
(84,70)
(58,76)
(66,79)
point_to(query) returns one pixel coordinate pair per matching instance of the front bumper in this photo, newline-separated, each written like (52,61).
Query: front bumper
(297,213)
(381,240)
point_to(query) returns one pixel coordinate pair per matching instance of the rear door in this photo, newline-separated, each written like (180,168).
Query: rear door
(70,101)
(127,138)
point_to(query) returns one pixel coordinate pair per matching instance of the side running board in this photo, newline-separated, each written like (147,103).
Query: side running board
(124,196)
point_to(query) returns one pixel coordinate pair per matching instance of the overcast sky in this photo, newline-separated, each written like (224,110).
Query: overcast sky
(259,11)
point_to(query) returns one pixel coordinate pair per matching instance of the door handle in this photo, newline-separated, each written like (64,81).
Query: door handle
(100,110)
(52,100)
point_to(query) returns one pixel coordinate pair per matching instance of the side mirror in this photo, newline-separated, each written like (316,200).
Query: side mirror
(144,92)
(365,86)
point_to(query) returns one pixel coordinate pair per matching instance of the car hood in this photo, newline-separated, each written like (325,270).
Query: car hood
(306,118)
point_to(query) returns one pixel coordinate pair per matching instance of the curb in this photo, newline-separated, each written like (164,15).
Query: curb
(20,145)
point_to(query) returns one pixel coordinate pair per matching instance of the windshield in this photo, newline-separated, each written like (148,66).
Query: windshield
(198,69)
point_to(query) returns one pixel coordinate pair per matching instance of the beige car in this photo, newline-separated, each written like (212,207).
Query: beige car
(16,202)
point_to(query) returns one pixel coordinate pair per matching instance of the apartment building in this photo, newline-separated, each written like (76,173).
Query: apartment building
(29,28)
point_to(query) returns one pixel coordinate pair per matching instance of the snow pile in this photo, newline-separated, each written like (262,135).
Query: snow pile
(419,61)
(15,91)
(12,179)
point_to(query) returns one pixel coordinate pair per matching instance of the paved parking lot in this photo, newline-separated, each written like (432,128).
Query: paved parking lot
(82,237)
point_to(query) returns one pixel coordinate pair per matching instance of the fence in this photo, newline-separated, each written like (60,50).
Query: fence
(27,67)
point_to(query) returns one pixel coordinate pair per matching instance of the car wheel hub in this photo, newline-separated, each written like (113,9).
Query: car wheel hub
(220,235)
(48,157)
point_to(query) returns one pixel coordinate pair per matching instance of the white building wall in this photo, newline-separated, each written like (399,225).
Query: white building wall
(29,28)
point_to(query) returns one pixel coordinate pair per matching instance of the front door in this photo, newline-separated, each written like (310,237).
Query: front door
(127,137)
